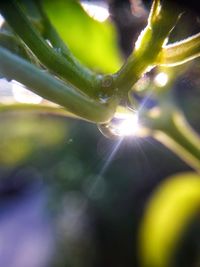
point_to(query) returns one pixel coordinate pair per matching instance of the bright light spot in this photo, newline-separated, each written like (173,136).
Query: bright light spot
(23,95)
(96,10)
(125,125)
(161,79)
(1,20)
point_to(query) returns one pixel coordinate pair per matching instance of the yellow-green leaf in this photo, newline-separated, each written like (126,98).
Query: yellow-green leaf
(94,43)
(168,214)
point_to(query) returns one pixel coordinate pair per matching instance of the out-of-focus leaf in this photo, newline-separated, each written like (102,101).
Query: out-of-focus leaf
(93,43)
(169,213)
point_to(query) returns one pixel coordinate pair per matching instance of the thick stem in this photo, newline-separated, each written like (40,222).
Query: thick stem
(71,70)
(55,90)
(13,44)
(161,21)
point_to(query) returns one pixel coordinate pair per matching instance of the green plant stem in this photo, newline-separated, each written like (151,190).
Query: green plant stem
(55,90)
(180,52)
(12,43)
(51,34)
(147,47)
(38,108)
(173,131)
(67,68)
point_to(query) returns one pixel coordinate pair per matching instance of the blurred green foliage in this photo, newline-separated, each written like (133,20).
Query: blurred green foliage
(92,42)
(23,135)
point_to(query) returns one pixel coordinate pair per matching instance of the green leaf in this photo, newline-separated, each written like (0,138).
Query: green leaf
(93,43)
(167,216)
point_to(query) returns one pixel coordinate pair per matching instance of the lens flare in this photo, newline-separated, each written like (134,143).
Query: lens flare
(123,124)
(126,126)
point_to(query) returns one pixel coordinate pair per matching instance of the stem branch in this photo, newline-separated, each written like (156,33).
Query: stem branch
(69,69)
(180,52)
(55,90)
(150,42)
(39,108)
(174,132)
